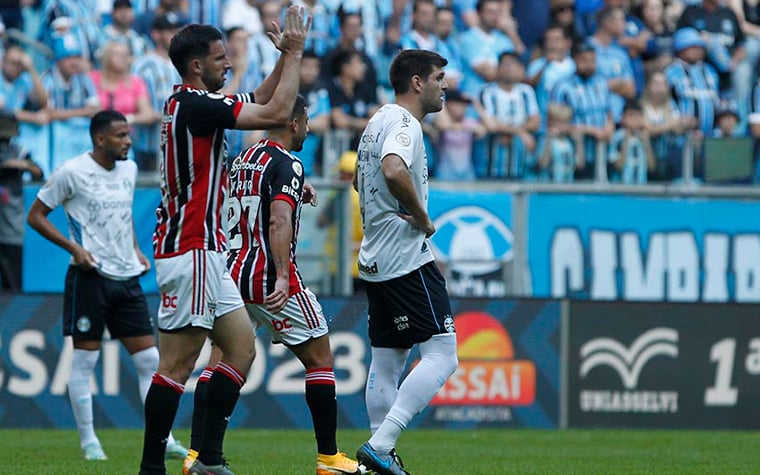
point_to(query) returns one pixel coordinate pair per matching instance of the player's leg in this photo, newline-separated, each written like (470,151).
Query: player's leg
(83,310)
(129,321)
(199,408)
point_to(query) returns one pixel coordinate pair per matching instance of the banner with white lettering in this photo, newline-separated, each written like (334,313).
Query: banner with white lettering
(609,247)
(508,374)
(692,366)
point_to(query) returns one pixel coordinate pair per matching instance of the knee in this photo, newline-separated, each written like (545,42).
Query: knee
(177,371)
(318,360)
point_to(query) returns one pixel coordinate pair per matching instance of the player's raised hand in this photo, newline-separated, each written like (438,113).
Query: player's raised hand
(293,38)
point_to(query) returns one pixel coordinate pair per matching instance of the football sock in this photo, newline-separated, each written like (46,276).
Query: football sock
(199,408)
(222,395)
(161,405)
(320,396)
(146,363)
(82,367)
(382,382)
(438,361)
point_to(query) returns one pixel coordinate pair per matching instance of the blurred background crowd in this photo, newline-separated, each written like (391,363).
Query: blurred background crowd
(629,91)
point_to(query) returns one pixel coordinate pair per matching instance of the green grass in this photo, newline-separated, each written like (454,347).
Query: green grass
(425,452)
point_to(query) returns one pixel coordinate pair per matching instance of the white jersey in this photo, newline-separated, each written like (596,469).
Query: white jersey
(98,207)
(391,247)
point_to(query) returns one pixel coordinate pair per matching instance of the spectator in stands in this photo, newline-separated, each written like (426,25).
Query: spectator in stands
(350,38)
(726,120)
(318,101)
(586,93)
(320,39)
(754,128)
(724,44)
(483,44)
(12,14)
(612,61)
(561,149)
(446,32)
(206,12)
(242,13)
(555,63)
(693,82)
(160,76)
(511,118)
(748,15)
(21,91)
(457,134)
(660,51)
(352,102)
(630,154)
(120,90)
(120,30)
(666,127)
(15,163)
(562,13)
(71,16)
(635,40)
(261,51)
(165,7)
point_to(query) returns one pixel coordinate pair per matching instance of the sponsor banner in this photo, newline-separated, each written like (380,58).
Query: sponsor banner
(473,240)
(508,374)
(693,366)
(607,247)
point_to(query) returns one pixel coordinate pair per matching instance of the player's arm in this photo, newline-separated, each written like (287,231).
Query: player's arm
(275,112)
(280,236)
(38,220)
(140,256)
(400,185)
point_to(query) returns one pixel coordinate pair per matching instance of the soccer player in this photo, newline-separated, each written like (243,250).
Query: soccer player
(408,303)
(264,207)
(102,287)
(199,298)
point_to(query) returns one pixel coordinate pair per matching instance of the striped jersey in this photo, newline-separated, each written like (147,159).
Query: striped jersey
(193,172)
(695,89)
(260,175)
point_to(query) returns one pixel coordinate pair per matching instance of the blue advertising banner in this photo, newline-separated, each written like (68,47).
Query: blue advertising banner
(508,374)
(473,239)
(608,247)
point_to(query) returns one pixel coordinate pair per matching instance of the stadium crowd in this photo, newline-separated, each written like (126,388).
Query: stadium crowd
(628,83)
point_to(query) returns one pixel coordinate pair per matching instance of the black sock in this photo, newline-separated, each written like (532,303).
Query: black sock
(199,409)
(320,396)
(161,405)
(221,396)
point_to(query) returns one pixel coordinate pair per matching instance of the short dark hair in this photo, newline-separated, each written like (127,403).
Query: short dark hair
(606,13)
(342,57)
(419,2)
(192,41)
(481,4)
(582,47)
(299,107)
(344,14)
(413,62)
(231,31)
(311,54)
(510,54)
(102,121)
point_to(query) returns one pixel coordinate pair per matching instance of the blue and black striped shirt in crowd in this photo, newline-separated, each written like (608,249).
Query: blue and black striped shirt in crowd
(695,88)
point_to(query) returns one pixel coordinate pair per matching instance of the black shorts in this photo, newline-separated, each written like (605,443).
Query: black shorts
(409,309)
(91,302)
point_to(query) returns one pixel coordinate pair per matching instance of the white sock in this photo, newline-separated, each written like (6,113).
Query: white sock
(382,382)
(438,361)
(82,367)
(146,364)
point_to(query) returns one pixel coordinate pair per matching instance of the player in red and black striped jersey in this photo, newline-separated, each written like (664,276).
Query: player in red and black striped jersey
(264,209)
(198,297)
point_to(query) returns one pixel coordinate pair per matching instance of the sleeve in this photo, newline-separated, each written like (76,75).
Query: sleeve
(287,180)
(535,66)
(209,112)
(531,103)
(402,138)
(474,48)
(58,189)
(487,100)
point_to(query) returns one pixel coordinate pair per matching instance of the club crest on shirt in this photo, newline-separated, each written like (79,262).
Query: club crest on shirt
(403,139)
(297,168)
(83,324)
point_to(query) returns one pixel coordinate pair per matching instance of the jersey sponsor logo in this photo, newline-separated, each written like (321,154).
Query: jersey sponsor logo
(290,191)
(168,302)
(403,139)
(281,326)
(488,373)
(297,168)
(402,322)
(369,269)
(240,164)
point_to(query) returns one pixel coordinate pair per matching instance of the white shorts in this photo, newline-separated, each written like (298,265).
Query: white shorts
(196,288)
(300,320)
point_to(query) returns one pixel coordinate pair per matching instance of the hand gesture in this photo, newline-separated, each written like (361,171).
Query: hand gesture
(276,301)
(309,194)
(426,226)
(83,258)
(293,39)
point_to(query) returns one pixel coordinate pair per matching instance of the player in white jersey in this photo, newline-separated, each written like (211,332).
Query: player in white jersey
(102,287)
(408,302)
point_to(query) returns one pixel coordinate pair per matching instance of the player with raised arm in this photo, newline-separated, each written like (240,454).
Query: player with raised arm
(264,210)
(199,298)
(408,302)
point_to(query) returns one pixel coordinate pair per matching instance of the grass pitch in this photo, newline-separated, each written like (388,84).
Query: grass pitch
(425,452)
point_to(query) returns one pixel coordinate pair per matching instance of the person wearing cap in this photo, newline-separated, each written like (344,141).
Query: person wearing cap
(512,118)
(693,81)
(612,61)
(587,94)
(78,17)
(160,76)
(120,30)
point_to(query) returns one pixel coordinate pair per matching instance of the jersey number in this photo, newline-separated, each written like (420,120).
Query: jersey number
(235,208)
